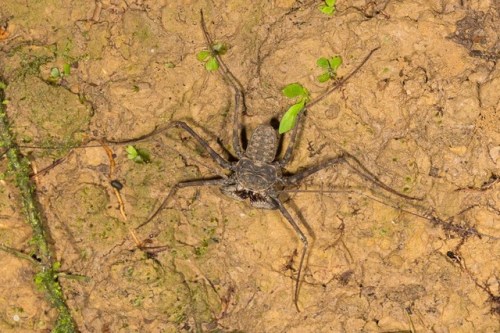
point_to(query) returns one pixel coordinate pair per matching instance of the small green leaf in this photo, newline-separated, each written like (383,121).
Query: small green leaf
(220,48)
(143,156)
(203,55)
(54,72)
(327,10)
(330,3)
(212,64)
(39,280)
(290,117)
(67,69)
(56,265)
(3,85)
(324,77)
(323,63)
(138,155)
(131,152)
(335,62)
(293,90)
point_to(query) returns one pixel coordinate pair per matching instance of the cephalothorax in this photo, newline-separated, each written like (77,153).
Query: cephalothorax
(257,175)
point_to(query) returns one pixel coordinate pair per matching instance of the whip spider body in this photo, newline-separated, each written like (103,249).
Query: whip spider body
(257,175)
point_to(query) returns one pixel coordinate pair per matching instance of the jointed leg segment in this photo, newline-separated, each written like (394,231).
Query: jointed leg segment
(173,190)
(293,138)
(305,243)
(216,157)
(354,164)
(239,97)
(361,170)
(337,85)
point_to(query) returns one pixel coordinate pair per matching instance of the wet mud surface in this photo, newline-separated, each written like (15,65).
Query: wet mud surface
(422,114)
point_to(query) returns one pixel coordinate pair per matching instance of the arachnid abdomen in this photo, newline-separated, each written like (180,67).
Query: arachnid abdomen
(263,144)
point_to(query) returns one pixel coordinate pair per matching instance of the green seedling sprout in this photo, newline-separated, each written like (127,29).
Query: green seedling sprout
(330,67)
(138,155)
(67,69)
(55,73)
(209,57)
(293,90)
(3,86)
(328,7)
(58,74)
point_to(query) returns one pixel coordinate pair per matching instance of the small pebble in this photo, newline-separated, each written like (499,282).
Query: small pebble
(116,184)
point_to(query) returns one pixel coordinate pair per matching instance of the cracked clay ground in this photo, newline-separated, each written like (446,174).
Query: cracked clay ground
(422,114)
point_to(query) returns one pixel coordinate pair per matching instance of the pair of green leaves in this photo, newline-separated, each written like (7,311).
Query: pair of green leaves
(56,73)
(297,91)
(293,90)
(209,57)
(330,67)
(328,7)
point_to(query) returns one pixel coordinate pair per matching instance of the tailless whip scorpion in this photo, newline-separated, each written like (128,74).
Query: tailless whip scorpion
(258,176)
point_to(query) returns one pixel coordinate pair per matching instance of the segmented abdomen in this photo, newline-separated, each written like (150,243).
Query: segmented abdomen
(263,144)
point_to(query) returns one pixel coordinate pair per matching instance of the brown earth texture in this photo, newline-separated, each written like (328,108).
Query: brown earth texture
(422,114)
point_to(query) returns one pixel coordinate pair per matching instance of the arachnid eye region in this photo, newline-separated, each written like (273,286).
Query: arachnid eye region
(256,199)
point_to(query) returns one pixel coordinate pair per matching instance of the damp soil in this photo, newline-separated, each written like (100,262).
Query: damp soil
(422,114)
